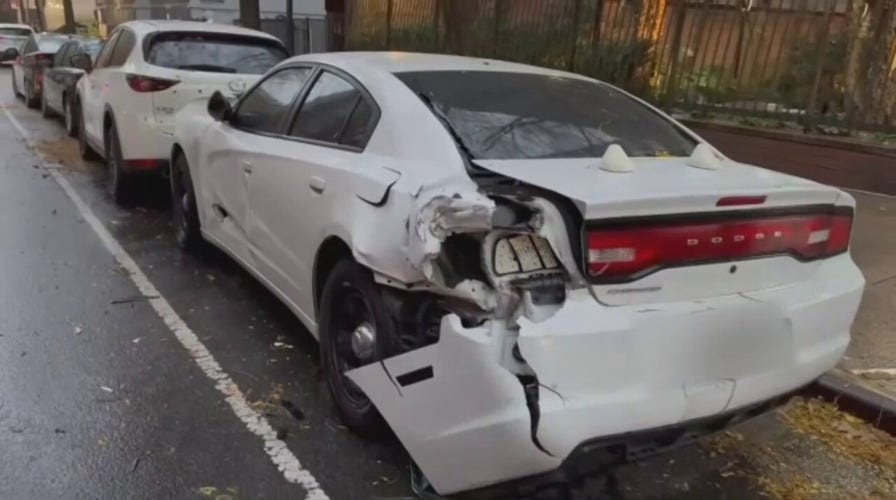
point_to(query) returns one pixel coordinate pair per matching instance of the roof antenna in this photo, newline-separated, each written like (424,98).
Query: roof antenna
(704,157)
(615,160)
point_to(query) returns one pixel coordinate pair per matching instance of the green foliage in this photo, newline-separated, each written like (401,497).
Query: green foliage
(623,63)
(795,84)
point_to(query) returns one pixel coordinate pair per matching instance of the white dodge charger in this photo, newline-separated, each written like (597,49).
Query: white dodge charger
(516,269)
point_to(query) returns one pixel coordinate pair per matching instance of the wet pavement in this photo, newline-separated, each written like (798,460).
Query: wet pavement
(99,399)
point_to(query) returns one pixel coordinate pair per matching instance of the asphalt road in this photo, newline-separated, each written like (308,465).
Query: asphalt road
(105,392)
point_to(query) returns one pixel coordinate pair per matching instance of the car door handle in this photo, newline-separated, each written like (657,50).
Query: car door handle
(247,167)
(317,184)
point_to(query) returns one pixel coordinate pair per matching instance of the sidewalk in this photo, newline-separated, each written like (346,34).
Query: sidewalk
(872,354)
(870,360)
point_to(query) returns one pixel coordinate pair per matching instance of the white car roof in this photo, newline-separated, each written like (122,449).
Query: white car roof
(397,62)
(13,25)
(152,26)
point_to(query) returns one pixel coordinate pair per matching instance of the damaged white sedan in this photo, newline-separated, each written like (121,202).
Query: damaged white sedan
(516,269)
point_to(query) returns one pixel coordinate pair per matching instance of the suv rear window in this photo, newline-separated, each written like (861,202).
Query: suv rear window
(504,115)
(14,32)
(50,44)
(214,52)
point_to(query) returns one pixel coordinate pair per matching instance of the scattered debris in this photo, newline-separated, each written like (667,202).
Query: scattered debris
(59,431)
(107,389)
(53,212)
(78,330)
(282,345)
(136,340)
(293,409)
(135,464)
(136,298)
(282,432)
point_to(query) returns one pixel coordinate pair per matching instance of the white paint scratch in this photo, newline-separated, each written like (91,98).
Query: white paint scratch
(276,449)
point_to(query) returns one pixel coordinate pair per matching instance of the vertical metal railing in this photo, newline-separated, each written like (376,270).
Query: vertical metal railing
(800,61)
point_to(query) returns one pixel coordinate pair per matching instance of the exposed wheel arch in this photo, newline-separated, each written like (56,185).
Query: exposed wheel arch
(331,251)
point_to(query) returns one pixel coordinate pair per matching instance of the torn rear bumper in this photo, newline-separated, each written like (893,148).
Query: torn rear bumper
(601,455)
(604,371)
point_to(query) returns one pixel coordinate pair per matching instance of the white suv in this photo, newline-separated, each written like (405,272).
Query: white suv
(145,73)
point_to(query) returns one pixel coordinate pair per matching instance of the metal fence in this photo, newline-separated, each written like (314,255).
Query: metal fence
(821,63)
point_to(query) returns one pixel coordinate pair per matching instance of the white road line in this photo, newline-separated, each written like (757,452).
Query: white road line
(276,449)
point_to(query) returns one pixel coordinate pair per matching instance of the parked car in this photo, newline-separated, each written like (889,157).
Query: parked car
(146,71)
(518,269)
(12,36)
(28,68)
(61,78)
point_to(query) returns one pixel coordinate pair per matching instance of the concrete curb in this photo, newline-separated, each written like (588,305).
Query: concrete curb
(853,395)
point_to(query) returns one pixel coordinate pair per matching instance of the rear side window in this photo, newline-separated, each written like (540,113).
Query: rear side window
(61,57)
(334,111)
(264,107)
(14,32)
(103,57)
(214,52)
(123,48)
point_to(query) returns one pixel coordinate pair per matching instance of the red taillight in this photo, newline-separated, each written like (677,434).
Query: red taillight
(624,254)
(140,83)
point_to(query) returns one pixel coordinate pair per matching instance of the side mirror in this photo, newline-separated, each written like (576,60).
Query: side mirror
(219,107)
(9,54)
(82,61)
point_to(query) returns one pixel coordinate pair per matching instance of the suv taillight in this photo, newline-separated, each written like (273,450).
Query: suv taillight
(141,83)
(621,254)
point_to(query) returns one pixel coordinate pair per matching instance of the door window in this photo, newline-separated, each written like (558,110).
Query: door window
(123,48)
(335,112)
(103,57)
(264,108)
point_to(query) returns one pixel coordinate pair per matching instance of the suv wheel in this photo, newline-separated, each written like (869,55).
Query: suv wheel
(45,110)
(68,112)
(183,207)
(84,149)
(118,182)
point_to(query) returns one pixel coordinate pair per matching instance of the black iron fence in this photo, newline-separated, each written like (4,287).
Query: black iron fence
(824,64)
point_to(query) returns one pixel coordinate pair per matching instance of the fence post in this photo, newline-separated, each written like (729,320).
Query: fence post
(598,19)
(810,123)
(389,6)
(576,17)
(496,28)
(671,81)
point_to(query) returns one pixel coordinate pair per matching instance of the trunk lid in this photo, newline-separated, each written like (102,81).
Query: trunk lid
(668,189)
(203,62)
(193,85)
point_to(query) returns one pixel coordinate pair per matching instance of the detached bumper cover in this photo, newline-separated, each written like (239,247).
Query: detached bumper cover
(605,371)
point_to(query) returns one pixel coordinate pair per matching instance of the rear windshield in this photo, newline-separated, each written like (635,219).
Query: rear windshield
(14,32)
(50,44)
(501,115)
(214,52)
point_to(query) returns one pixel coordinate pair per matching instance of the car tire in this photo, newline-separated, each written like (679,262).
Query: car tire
(349,300)
(184,210)
(30,100)
(87,153)
(118,182)
(45,110)
(70,117)
(15,88)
